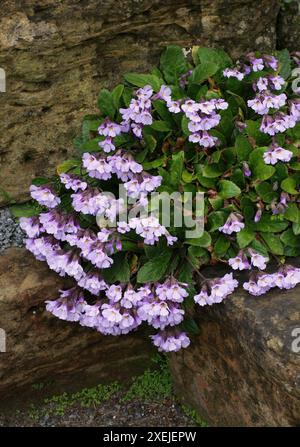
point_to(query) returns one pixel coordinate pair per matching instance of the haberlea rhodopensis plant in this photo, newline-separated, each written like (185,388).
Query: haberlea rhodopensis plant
(229,131)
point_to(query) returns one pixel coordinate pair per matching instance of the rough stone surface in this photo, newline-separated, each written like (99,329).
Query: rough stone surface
(42,347)
(288,30)
(57,55)
(240,370)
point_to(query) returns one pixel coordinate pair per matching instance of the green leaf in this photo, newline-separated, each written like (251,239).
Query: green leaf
(154,269)
(173,64)
(105,103)
(228,189)
(273,243)
(163,112)
(67,165)
(116,95)
(292,213)
(212,171)
(140,80)
(198,256)
(150,142)
(216,219)
(284,59)
(91,145)
(253,130)
(289,185)
(221,246)
(290,239)
(25,210)
(155,163)
(119,271)
(176,167)
(260,248)
(265,192)
(203,71)
(267,224)
(184,125)
(243,148)
(245,237)
(202,241)
(259,169)
(160,126)
(296,228)
(216,56)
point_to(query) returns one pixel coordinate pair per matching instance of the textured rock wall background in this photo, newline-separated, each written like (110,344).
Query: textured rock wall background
(58,54)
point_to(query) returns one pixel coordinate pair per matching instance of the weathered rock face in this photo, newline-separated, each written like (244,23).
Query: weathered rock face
(42,347)
(57,55)
(241,369)
(288,30)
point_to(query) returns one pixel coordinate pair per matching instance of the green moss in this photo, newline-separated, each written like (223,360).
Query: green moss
(193,414)
(153,384)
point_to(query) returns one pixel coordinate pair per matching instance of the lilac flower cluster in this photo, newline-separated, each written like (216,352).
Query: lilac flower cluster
(276,153)
(216,290)
(44,195)
(109,130)
(241,262)
(286,278)
(92,201)
(254,64)
(265,101)
(73,182)
(170,342)
(202,117)
(138,114)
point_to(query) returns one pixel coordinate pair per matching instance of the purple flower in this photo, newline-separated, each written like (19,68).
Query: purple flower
(96,166)
(107,145)
(168,342)
(109,129)
(276,153)
(93,282)
(69,306)
(256,63)
(31,226)
(257,260)
(270,61)
(246,169)
(233,73)
(73,182)
(233,224)
(44,195)
(240,262)
(216,290)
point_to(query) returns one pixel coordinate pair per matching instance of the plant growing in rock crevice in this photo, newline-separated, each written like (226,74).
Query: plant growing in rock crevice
(228,131)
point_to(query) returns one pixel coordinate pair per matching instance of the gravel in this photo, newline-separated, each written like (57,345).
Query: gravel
(11,234)
(112,413)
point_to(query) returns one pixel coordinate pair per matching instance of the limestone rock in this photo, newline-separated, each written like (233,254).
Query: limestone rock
(57,55)
(241,369)
(41,347)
